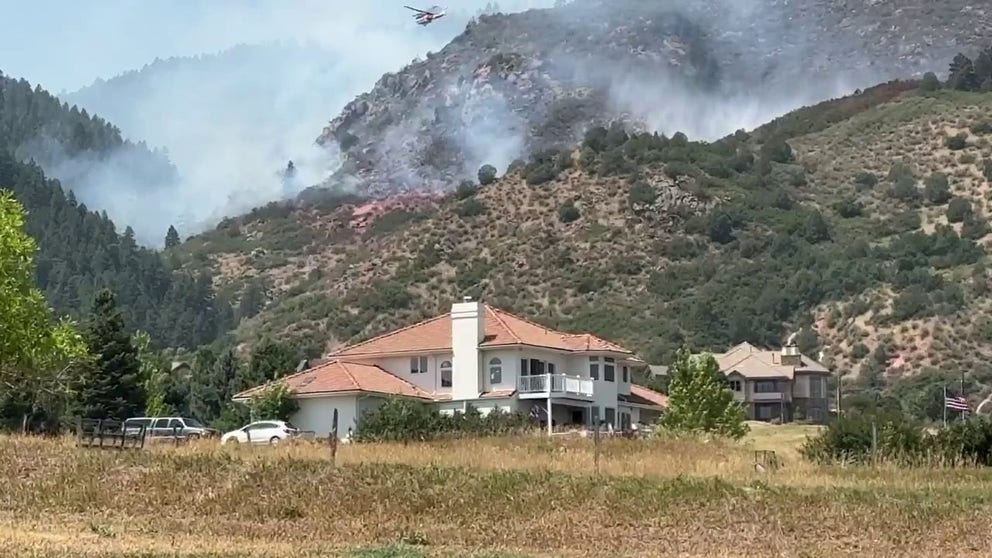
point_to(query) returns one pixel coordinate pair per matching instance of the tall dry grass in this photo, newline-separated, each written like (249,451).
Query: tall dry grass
(529,496)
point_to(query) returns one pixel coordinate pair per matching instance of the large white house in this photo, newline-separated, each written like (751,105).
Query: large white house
(480,356)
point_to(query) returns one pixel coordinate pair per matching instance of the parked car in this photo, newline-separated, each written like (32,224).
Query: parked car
(263,432)
(169,427)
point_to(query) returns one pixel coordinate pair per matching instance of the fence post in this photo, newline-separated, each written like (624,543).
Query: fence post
(175,436)
(334,437)
(142,433)
(874,442)
(595,442)
(99,431)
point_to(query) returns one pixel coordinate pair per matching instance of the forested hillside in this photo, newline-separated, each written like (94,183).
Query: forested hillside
(80,250)
(859,223)
(72,145)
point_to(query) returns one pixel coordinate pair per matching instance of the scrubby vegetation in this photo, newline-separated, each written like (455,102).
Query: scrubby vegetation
(848,219)
(404,420)
(891,438)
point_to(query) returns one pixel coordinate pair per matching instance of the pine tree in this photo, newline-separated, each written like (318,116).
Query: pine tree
(962,74)
(171,238)
(699,399)
(111,386)
(213,387)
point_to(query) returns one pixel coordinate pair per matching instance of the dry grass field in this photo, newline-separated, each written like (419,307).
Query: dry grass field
(506,497)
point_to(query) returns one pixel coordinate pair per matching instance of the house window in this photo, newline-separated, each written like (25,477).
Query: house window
(611,416)
(418,365)
(766,386)
(764,412)
(610,370)
(446,374)
(594,368)
(495,371)
(816,387)
(735,385)
(626,375)
(550,368)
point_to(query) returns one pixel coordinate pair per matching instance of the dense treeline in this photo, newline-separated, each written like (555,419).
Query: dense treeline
(35,125)
(81,252)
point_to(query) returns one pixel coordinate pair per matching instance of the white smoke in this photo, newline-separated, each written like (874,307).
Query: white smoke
(260,79)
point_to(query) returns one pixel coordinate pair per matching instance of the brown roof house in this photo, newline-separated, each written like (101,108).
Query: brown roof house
(785,384)
(480,356)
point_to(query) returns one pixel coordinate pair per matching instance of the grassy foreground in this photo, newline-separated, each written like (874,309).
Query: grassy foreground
(483,498)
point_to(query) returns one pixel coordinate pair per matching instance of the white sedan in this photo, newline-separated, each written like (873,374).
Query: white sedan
(264,432)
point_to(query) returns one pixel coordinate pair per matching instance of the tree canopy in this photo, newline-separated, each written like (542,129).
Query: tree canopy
(700,400)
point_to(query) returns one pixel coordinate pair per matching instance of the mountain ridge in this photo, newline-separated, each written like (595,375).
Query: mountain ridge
(515,83)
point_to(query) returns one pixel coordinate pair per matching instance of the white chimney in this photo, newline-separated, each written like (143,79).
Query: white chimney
(468,322)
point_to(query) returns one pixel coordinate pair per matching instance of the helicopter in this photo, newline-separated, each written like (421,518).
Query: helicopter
(425,17)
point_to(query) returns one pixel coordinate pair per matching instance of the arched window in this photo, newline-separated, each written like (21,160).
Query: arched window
(495,371)
(446,374)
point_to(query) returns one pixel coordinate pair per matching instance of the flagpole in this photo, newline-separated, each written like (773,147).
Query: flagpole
(962,394)
(945,405)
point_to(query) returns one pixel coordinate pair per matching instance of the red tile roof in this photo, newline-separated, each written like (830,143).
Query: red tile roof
(501,329)
(344,377)
(645,396)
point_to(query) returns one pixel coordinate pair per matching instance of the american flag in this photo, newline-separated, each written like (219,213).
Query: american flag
(957,403)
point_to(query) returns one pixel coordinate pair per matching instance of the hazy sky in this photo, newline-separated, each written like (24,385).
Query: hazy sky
(66,44)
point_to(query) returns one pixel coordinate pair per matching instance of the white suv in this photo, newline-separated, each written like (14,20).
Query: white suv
(263,432)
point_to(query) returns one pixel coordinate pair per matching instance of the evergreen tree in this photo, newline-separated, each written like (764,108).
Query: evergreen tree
(930,82)
(272,360)
(171,238)
(252,300)
(109,387)
(212,388)
(699,399)
(962,74)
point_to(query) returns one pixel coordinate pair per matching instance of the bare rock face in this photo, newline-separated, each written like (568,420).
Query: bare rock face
(513,84)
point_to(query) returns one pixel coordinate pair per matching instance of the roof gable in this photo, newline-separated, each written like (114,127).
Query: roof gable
(501,329)
(751,362)
(343,377)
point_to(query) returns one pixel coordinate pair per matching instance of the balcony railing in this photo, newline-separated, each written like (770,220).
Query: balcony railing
(555,384)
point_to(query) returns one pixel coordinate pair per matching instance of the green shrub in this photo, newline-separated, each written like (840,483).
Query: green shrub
(275,403)
(958,142)
(487,175)
(866,180)
(936,189)
(848,208)
(930,82)
(406,420)
(900,440)
(904,188)
(958,209)
(641,193)
(470,208)
(568,213)
(465,190)
(982,128)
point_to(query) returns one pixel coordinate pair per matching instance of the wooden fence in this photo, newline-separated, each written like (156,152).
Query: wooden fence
(104,433)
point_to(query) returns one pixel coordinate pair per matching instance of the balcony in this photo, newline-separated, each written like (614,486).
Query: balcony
(769,396)
(551,385)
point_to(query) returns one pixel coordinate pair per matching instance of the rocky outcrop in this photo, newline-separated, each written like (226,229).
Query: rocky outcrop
(513,84)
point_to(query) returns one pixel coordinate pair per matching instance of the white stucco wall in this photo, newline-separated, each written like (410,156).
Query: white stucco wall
(317,414)
(429,382)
